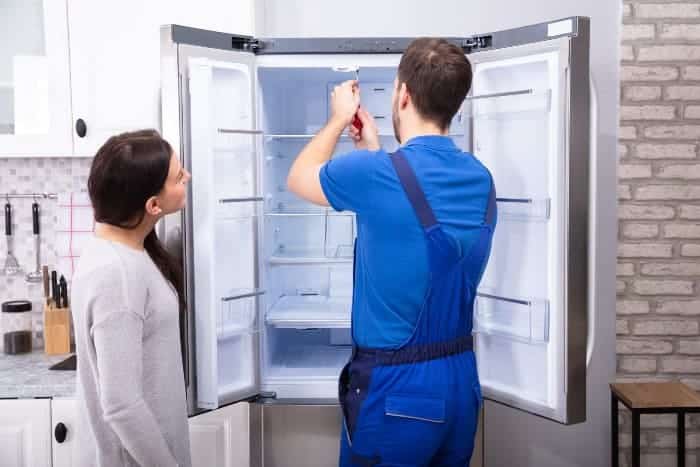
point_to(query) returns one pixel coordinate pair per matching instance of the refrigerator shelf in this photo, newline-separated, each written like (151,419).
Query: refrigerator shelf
(521,319)
(238,314)
(524,208)
(307,212)
(506,105)
(310,312)
(340,254)
(275,136)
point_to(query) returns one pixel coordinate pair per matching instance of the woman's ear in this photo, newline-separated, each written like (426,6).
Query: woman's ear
(153,206)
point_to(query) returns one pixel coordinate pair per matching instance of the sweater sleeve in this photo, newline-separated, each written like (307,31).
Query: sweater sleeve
(117,334)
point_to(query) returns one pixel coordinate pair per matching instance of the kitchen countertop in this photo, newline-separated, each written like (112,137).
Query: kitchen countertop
(28,376)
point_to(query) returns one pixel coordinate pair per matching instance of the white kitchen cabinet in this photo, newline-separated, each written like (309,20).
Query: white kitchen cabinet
(34,79)
(221,438)
(115,59)
(24,433)
(62,431)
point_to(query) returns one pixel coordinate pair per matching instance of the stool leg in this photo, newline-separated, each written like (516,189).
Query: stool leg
(615,450)
(681,439)
(636,454)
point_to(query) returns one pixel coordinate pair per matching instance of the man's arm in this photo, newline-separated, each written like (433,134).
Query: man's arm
(303,179)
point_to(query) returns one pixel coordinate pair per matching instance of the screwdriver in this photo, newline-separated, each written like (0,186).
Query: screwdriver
(356,122)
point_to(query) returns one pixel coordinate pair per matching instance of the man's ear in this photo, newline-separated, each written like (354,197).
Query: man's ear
(153,206)
(404,96)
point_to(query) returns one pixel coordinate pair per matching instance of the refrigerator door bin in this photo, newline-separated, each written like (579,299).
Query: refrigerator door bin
(523,319)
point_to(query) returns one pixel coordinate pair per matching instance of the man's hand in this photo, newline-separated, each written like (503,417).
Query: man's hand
(345,99)
(368,138)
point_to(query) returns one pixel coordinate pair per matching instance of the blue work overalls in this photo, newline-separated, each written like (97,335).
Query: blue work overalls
(418,405)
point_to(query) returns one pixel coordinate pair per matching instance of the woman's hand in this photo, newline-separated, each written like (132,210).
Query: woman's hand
(368,138)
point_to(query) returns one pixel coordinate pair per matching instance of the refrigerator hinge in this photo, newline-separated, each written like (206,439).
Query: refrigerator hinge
(477,42)
(248,44)
(266,395)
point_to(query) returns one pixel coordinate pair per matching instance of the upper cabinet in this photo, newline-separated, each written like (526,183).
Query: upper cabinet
(34,79)
(115,60)
(75,72)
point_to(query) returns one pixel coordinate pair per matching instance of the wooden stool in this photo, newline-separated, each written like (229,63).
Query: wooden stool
(647,398)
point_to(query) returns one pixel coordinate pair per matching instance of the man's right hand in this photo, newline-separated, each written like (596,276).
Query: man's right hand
(368,138)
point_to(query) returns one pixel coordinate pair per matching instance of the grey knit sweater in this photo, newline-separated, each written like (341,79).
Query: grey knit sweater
(131,391)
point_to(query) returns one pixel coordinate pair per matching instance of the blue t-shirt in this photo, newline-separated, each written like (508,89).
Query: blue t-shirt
(391,269)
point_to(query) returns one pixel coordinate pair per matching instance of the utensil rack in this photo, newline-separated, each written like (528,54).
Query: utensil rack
(9,196)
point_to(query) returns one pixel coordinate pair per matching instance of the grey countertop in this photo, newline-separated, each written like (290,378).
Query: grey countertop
(27,376)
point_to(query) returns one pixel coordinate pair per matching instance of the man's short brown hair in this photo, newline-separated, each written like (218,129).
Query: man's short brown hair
(438,77)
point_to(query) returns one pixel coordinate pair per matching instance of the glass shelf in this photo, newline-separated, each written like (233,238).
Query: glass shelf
(339,254)
(310,312)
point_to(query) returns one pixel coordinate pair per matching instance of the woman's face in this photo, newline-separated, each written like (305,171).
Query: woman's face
(173,196)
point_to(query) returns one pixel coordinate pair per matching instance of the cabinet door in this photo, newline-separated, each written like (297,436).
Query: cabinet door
(115,66)
(63,426)
(34,79)
(221,438)
(24,433)
(114,69)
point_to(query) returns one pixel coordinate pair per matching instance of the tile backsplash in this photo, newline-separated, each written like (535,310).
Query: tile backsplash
(35,175)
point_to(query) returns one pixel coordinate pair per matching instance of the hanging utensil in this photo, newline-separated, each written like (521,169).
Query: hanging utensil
(35,276)
(11,264)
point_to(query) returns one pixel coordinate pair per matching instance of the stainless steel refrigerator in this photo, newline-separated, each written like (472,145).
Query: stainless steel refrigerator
(269,277)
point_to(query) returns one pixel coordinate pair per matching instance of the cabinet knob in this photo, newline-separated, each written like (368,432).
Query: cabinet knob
(60,433)
(80,127)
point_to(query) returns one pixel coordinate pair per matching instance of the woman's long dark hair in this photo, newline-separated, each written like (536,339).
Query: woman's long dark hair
(127,170)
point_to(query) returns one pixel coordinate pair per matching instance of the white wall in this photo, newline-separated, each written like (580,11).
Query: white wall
(512,438)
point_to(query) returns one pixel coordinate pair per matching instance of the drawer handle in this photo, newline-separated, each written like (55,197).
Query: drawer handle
(60,433)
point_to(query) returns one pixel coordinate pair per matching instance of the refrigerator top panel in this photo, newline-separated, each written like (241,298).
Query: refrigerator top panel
(567,27)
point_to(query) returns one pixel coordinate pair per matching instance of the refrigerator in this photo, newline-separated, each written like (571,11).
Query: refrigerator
(269,277)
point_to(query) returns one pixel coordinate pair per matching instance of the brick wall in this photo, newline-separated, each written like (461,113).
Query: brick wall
(658,306)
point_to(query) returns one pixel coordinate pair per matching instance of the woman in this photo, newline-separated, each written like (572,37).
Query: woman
(126,300)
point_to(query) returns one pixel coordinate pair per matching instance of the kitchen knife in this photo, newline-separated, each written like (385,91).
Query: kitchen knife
(63,292)
(45,276)
(54,287)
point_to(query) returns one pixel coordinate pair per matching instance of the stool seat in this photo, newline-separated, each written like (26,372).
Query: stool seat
(671,395)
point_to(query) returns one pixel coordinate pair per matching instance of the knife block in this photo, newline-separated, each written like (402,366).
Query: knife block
(56,330)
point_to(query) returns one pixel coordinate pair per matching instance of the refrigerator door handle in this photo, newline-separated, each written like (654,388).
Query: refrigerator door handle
(593,161)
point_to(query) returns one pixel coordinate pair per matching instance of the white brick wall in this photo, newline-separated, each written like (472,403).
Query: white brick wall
(658,269)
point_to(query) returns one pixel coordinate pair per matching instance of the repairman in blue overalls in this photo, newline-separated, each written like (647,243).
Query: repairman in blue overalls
(426,216)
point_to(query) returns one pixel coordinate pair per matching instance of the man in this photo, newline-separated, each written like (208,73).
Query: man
(425,216)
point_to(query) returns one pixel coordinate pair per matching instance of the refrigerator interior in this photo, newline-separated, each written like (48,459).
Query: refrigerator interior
(307,250)
(278,270)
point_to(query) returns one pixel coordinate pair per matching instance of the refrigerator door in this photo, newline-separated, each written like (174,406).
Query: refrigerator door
(224,208)
(529,125)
